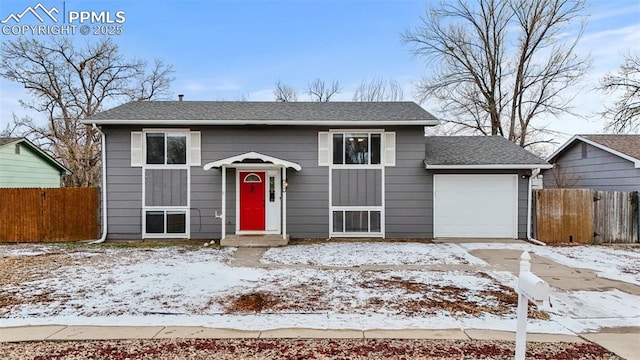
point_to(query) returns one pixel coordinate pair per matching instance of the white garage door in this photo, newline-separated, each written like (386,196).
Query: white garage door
(482,206)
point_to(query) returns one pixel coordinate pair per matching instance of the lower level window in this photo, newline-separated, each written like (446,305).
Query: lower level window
(348,221)
(159,222)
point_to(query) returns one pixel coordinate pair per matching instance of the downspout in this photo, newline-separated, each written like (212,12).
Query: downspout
(529,213)
(103,150)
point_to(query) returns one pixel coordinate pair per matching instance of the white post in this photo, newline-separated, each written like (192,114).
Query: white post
(223,231)
(523,304)
(284,202)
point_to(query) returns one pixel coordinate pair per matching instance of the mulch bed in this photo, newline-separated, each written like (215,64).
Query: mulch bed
(297,349)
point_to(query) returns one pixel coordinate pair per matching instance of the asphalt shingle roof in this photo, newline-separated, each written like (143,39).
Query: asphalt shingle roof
(265,111)
(476,150)
(626,144)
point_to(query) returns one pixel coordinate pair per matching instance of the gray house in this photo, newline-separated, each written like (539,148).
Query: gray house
(600,162)
(225,170)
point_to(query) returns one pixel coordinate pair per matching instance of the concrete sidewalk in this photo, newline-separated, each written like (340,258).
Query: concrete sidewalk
(624,342)
(61,332)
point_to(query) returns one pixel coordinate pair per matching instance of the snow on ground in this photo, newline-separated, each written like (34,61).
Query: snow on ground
(197,287)
(616,263)
(370,253)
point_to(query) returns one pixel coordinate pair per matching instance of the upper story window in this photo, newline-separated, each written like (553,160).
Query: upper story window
(356,148)
(166,148)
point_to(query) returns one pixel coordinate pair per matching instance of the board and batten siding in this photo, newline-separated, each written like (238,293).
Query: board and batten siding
(523,188)
(357,187)
(599,170)
(27,169)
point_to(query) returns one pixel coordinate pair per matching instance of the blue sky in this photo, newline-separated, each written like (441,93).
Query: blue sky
(226,50)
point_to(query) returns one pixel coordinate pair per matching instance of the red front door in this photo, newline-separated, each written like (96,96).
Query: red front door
(252,201)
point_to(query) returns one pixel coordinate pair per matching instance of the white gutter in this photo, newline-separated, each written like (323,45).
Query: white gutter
(529,212)
(156,122)
(103,150)
(488,167)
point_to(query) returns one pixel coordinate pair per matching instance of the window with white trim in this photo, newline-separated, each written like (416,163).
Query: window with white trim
(357,148)
(166,148)
(165,222)
(356,221)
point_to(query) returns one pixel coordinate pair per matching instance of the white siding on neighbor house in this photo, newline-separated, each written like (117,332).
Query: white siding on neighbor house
(26,169)
(599,170)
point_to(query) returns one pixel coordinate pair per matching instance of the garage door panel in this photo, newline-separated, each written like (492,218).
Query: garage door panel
(482,206)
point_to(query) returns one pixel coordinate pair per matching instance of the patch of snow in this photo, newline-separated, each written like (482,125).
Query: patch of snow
(615,263)
(361,254)
(181,286)
(25,250)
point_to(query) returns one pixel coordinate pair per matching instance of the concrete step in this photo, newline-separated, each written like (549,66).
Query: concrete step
(254,240)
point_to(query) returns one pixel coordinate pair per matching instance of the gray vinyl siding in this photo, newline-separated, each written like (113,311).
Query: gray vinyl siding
(523,188)
(599,170)
(307,193)
(408,189)
(407,199)
(356,187)
(124,187)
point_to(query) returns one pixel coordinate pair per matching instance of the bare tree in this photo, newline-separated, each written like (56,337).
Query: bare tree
(69,83)
(625,112)
(320,92)
(379,90)
(285,93)
(561,179)
(498,65)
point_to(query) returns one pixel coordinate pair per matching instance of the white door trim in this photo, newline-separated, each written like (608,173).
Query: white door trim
(268,170)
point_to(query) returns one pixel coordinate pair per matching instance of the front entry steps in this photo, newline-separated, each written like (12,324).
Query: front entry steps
(254,240)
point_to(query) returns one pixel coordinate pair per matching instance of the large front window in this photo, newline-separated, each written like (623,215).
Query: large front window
(356,148)
(166,148)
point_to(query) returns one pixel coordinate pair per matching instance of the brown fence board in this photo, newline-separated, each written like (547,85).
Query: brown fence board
(20,215)
(34,215)
(615,217)
(585,216)
(564,215)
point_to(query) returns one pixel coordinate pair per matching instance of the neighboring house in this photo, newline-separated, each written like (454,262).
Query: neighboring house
(600,162)
(180,169)
(24,165)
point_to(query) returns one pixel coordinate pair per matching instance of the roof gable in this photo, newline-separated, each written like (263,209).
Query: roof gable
(8,141)
(264,113)
(623,146)
(478,152)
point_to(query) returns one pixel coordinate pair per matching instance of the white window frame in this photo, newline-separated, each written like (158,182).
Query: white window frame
(368,132)
(186,166)
(333,233)
(165,234)
(380,167)
(167,133)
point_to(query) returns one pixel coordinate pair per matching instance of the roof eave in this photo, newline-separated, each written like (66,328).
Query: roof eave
(63,169)
(487,166)
(264,122)
(561,149)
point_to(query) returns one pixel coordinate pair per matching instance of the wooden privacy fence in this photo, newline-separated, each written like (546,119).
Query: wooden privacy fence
(586,216)
(53,214)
